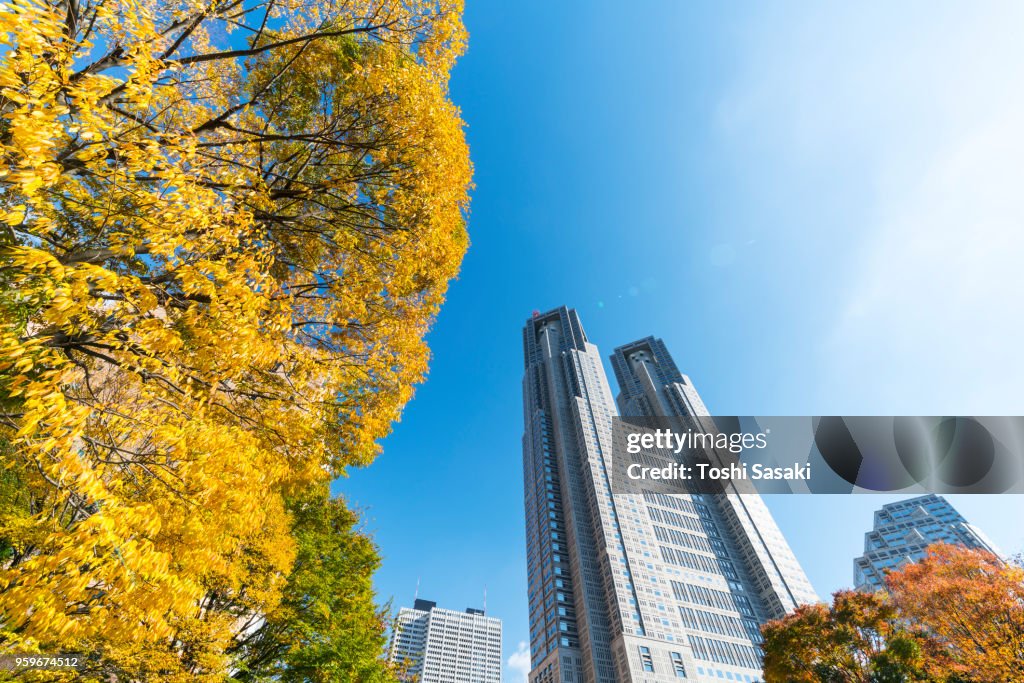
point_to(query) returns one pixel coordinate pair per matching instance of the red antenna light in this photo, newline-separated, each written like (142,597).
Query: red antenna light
(536,313)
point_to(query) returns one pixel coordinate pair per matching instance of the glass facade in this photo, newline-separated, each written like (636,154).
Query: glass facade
(903,530)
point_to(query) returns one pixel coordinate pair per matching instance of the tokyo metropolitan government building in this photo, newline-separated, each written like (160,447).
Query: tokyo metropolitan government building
(634,587)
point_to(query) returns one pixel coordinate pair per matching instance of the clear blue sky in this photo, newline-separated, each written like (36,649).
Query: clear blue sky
(817,207)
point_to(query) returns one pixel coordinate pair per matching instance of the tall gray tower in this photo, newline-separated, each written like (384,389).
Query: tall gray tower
(570,515)
(634,587)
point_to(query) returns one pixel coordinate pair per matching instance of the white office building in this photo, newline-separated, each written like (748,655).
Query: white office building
(435,645)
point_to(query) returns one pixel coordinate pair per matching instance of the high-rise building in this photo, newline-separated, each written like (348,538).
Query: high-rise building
(436,645)
(634,587)
(650,386)
(903,530)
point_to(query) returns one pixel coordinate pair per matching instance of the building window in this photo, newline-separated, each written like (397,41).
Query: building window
(677,664)
(645,659)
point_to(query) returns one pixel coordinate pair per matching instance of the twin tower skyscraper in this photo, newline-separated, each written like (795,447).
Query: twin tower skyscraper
(638,587)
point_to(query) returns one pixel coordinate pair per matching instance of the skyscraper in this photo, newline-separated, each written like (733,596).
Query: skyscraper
(651,385)
(627,588)
(447,646)
(903,530)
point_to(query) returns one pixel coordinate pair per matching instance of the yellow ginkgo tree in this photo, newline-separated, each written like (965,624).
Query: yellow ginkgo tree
(225,227)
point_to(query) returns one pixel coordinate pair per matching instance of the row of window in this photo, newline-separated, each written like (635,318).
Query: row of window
(682,558)
(686,540)
(677,503)
(709,597)
(711,650)
(723,625)
(681,521)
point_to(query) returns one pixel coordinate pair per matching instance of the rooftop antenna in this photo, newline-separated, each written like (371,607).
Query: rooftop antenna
(417,594)
(485,597)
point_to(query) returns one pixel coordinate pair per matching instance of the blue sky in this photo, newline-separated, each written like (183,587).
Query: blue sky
(817,207)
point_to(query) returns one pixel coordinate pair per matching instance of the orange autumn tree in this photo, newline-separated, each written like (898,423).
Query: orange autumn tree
(225,228)
(859,638)
(956,616)
(972,605)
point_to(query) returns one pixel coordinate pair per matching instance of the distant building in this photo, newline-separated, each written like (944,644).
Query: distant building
(446,646)
(902,532)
